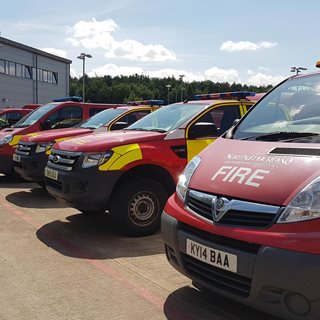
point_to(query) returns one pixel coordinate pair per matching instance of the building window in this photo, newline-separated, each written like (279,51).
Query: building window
(2,66)
(28,71)
(12,68)
(18,70)
(54,77)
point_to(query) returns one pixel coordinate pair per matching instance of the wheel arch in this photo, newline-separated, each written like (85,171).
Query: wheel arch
(154,172)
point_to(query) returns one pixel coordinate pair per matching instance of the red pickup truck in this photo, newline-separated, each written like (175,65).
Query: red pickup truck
(53,115)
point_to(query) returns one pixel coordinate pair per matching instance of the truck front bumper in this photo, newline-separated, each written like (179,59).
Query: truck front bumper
(280,282)
(85,191)
(31,167)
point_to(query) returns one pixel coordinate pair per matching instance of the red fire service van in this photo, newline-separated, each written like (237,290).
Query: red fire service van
(244,221)
(132,172)
(53,115)
(32,151)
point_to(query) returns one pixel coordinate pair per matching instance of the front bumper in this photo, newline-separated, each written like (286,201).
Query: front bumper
(280,282)
(31,167)
(88,190)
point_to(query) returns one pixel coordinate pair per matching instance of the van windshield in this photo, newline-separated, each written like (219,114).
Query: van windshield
(35,115)
(290,111)
(167,118)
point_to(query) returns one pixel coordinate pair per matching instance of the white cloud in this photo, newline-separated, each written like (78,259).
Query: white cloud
(113,71)
(98,34)
(222,75)
(231,46)
(260,79)
(57,52)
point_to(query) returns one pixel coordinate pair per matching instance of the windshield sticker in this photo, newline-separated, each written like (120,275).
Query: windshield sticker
(241,175)
(272,160)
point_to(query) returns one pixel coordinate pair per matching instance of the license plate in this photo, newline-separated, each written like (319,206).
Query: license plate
(16,157)
(217,258)
(52,174)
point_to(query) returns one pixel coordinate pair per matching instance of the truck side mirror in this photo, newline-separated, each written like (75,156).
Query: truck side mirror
(119,125)
(203,129)
(46,125)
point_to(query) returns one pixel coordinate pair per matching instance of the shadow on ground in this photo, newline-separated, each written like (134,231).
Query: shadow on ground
(188,303)
(36,197)
(13,181)
(93,236)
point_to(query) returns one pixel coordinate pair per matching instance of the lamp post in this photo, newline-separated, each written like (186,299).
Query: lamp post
(297,70)
(168,86)
(83,57)
(181,80)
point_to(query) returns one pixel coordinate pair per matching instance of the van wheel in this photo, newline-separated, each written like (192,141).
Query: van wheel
(137,206)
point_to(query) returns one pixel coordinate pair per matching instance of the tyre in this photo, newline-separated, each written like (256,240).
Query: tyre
(137,206)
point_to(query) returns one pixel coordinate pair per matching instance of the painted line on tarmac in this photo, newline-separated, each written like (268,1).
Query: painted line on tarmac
(144,293)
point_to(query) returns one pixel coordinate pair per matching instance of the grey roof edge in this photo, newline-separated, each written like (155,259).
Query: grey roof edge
(34,50)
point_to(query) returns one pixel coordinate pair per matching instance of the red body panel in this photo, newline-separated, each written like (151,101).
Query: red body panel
(54,134)
(100,142)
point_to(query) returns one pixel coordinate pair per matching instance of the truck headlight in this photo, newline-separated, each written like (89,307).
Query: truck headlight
(43,147)
(185,177)
(95,159)
(6,139)
(304,206)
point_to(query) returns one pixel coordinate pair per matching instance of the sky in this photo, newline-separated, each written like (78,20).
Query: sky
(248,42)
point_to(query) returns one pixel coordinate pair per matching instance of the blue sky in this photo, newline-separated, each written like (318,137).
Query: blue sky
(234,41)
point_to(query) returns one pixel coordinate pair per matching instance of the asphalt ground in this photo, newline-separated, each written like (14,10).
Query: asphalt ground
(56,263)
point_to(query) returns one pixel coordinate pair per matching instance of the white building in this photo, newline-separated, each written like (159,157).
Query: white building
(29,75)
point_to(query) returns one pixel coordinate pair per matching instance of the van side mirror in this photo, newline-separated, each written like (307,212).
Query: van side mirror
(46,125)
(203,129)
(119,125)
(230,131)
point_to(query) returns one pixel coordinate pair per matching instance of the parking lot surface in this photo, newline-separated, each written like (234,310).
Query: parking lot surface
(56,263)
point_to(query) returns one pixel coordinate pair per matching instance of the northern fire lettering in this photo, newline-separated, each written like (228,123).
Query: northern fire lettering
(241,175)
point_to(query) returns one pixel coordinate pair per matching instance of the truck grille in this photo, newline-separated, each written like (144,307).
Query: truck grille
(25,148)
(236,213)
(63,160)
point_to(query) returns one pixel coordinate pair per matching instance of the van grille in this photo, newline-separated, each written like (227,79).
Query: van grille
(238,213)
(221,279)
(63,160)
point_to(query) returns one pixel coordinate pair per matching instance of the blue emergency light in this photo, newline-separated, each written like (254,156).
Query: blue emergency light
(146,102)
(72,98)
(225,95)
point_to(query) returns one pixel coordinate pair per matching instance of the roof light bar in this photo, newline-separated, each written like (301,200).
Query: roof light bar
(72,98)
(146,102)
(225,95)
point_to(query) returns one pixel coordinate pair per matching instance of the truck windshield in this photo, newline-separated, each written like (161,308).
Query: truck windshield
(290,111)
(102,118)
(35,115)
(167,118)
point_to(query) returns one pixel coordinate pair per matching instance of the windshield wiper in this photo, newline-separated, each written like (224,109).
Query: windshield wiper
(281,136)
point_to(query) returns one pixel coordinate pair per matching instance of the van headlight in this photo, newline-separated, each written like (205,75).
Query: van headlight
(304,206)
(95,159)
(44,147)
(6,139)
(185,177)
